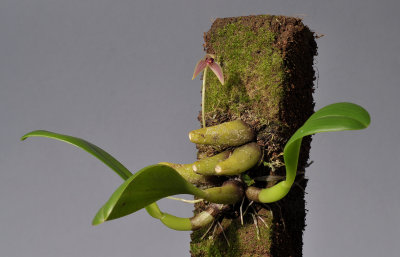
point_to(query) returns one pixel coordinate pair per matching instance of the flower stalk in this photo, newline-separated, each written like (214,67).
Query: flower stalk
(207,62)
(203,98)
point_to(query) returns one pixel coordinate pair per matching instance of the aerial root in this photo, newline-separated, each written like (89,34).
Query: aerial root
(256,225)
(208,230)
(223,233)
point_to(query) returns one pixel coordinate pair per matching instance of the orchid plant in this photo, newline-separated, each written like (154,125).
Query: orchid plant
(144,188)
(206,62)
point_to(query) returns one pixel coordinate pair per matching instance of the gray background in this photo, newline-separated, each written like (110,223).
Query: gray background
(118,73)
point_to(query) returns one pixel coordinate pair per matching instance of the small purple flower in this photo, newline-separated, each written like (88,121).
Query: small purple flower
(209,61)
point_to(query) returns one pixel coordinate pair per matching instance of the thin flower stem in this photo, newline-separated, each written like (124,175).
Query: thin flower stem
(203,97)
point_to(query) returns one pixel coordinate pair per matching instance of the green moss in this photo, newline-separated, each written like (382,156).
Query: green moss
(242,239)
(253,71)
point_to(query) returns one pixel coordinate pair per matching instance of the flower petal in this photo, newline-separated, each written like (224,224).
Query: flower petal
(217,71)
(200,66)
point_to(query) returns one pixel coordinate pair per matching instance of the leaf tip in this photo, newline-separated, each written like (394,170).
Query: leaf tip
(99,218)
(368,121)
(96,222)
(25,136)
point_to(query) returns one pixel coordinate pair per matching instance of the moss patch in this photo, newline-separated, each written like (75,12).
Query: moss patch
(243,240)
(253,69)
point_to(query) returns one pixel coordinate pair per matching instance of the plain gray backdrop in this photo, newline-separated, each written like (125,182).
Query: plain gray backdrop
(118,73)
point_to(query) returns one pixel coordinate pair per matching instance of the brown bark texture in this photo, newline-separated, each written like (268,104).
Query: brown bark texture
(268,68)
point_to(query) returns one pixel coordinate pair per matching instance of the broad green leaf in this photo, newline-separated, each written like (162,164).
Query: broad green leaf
(143,188)
(169,220)
(334,117)
(96,151)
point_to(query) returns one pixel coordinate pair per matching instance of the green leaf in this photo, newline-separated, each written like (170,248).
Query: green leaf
(99,153)
(143,188)
(169,220)
(334,117)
